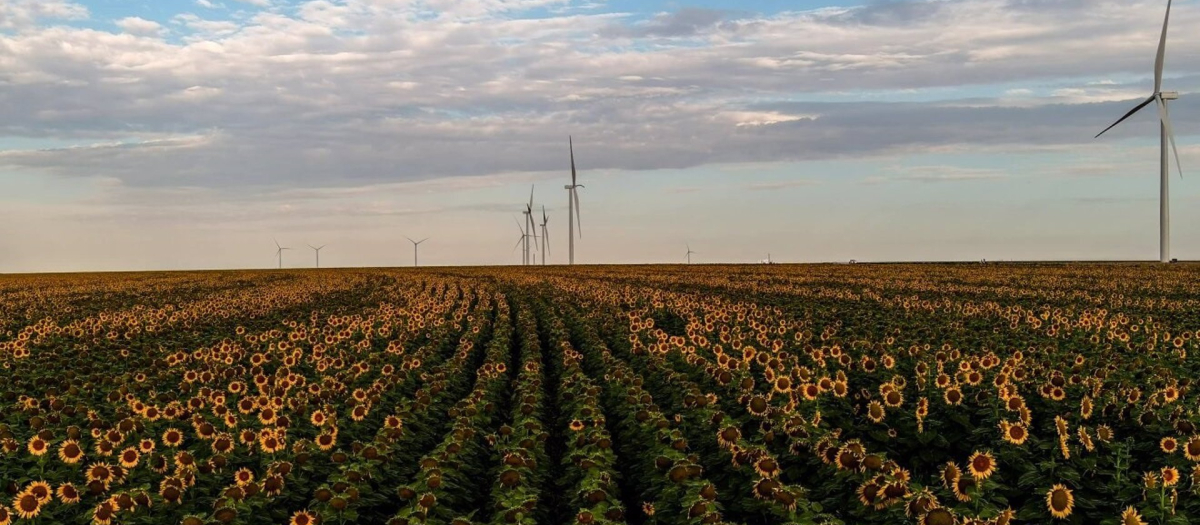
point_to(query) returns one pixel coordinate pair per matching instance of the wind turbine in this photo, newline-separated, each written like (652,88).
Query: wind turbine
(530,226)
(689,254)
(415,244)
(318,250)
(279,252)
(523,242)
(545,236)
(1166,135)
(572,204)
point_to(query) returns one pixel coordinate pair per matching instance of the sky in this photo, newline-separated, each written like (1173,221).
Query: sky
(190,134)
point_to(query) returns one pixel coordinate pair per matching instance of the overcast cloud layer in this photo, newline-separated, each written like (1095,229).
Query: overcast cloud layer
(240,114)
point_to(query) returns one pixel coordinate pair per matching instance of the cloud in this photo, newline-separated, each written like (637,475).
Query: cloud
(938,174)
(22,14)
(782,185)
(140,26)
(686,22)
(365,92)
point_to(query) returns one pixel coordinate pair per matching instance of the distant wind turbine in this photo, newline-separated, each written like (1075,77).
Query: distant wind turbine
(1166,135)
(572,204)
(523,242)
(318,250)
(545,236)
(689,254)
(279,252)
(530,228)
(415,244)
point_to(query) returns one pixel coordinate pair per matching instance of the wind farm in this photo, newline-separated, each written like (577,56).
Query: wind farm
(847,263)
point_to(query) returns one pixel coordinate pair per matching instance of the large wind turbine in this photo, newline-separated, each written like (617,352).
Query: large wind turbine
(318,250)
(415,244)
(545,236)
(1166,135)
(572,204)
(279,252)
(689,253)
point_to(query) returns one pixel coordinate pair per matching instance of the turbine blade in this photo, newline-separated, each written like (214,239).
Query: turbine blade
(1127,115)
(1162,51)
(531,196)
(519,241)
(1166,121)
(423,240)
(578,219)
(571,143)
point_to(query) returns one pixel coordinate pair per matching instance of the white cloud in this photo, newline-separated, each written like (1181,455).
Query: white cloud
(22,14)
(140,26)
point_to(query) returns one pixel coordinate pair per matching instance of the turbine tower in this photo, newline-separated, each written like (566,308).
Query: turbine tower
(415,244)
(545,236)
(279,252)
(1166,136)
(318,250)
(689,254)
(572,204)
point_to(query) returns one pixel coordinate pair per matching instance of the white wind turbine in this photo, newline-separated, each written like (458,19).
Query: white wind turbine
(1166,135)
(318,250)
(545,236)
(279,252)
(415,245)
(522,242)
(572,204)
(530,229)
(689,254)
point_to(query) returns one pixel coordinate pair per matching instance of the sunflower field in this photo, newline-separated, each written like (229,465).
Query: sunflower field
(658,395)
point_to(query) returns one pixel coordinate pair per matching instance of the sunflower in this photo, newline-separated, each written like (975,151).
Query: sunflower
(5,515)
(869,493)
(1191,449)
(981,465)
(963,488)
(27,506)
(950,474)
(875,412)
(576,425)
(40,490)
(243,477)
(170,493)
(939,516)
(70,452)
(68,494)
(99,472)
(757,406)
(1060,501)
(303,517)
(129,457)
(172,437)
(1131,517)
(921,503)
(1170,476)
(1014,433)
(1168,445)
(953,396)
(37,446)
(326,441)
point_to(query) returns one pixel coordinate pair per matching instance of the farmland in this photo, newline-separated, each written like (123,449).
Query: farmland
(932,394)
